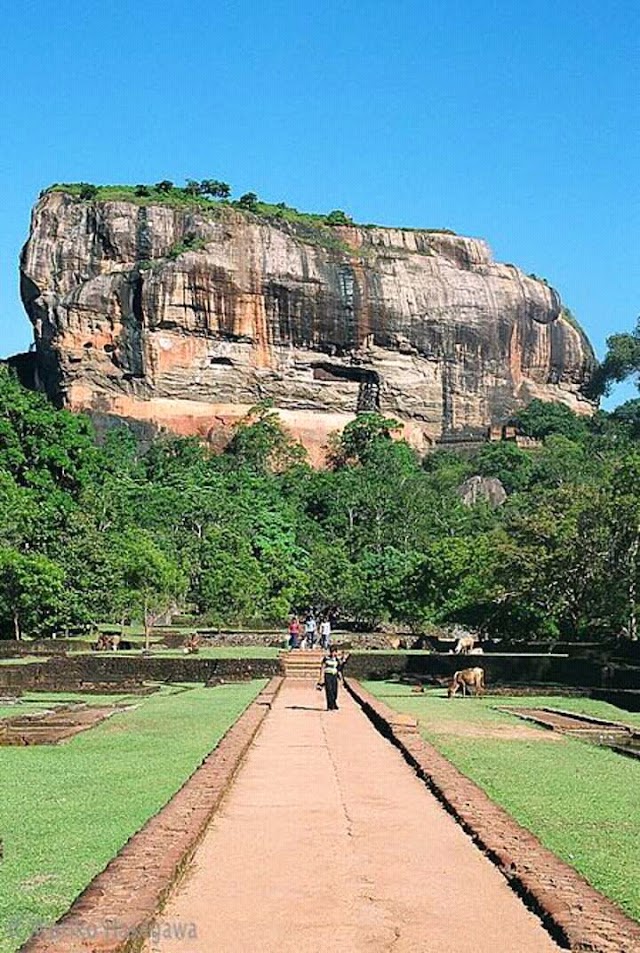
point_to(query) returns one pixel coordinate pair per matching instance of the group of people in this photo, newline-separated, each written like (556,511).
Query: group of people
(309,633)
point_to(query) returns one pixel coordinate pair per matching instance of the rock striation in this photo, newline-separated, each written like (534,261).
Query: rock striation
(186,317)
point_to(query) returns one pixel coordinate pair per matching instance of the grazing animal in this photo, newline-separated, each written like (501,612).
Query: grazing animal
(465,679)
(397,643)
(191,646)
(464,645)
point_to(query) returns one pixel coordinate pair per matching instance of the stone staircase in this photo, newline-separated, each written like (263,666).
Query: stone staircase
(301,663)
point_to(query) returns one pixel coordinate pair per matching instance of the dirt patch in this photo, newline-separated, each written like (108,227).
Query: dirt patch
(579,916)
(618,737)
(501,732)
(51,727)
(568,721)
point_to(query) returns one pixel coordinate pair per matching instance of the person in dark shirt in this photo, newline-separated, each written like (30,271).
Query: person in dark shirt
(330,674)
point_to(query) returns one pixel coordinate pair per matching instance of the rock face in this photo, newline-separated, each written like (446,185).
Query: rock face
(187,317)
(482,489)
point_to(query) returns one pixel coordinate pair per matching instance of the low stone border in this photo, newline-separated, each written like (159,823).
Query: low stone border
(577,915)
(116,912)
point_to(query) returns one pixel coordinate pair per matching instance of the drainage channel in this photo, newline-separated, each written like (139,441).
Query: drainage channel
(610,734)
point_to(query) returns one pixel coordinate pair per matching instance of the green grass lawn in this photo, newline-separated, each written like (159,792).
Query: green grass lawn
(221,651)
(231,651)
(581,801)
(65,810)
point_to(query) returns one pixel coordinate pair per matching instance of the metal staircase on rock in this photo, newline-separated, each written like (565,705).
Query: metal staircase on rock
(301,663)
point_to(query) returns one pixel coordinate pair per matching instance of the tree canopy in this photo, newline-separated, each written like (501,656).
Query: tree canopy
(104,530)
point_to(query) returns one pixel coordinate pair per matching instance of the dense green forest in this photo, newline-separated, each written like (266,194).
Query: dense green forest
(94,531)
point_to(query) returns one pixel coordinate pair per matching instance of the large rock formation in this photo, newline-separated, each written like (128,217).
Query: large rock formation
(186,317)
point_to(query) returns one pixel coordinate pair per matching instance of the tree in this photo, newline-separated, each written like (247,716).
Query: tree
(624,517)
(248,201)
(231,584)
(562,461)
(87,191)
(165,185)
(19,513)
(31,591)
(141,190)
(192,187)
(622,360)
(42,447)
(506,461)
(542,418)
(215,188)
(453,581)
(338,217)
(627,415)
(151,580)
(373,583)
(261,442)
(361,438)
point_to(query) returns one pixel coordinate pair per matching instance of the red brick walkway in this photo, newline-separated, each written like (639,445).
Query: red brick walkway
(327,839)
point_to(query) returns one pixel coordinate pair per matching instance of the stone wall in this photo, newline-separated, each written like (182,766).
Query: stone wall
(125,672)
(10,648)
(500,669)
(114,673)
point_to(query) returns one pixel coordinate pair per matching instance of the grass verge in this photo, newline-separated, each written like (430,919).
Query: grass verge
(581,801)
(221,651)
(66,810)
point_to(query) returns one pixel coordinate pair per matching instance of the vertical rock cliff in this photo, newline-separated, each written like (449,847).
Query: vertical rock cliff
(186,317)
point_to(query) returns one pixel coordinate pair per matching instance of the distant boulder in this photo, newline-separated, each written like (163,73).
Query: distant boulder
(478,488)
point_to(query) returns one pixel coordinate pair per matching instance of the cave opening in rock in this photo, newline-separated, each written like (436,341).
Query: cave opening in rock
(368,382)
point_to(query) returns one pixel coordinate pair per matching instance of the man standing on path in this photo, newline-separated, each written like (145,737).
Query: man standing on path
(325,633)
(329,675)
(310,629)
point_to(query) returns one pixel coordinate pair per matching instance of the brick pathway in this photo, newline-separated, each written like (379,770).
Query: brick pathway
(328,839)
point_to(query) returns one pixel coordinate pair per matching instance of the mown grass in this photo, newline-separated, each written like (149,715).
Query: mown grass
(66,810)
(581,801)
(230,651)
(220,651)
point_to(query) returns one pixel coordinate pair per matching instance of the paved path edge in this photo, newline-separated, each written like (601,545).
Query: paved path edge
(116,911)
(577,915)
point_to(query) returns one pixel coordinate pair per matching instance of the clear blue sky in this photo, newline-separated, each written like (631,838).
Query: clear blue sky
(515,121)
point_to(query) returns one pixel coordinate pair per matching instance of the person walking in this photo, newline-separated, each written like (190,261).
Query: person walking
(310,630)
(294,633)
(330,674)
(325,633)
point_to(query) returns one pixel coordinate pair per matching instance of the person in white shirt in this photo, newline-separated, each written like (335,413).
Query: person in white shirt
(325,633)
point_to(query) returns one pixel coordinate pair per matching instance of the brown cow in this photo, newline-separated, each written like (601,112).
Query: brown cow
(465,644)
(465,679)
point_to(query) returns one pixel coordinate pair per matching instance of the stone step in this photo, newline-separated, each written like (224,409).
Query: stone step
(302,663)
